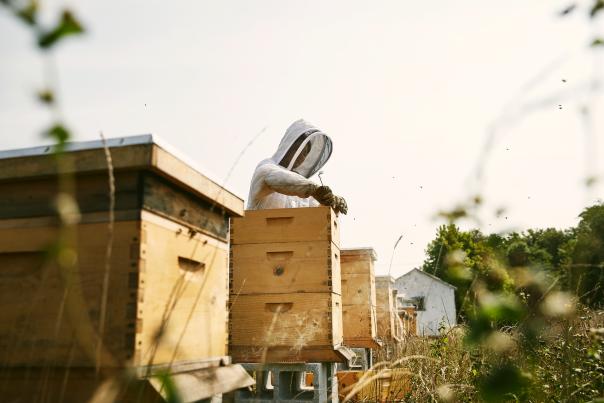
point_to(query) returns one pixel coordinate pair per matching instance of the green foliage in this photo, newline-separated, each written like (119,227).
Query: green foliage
(529,283)
(596,8)
(59,134)
(68,25)
(586,271)
(46,97)
(169,390)
(456,256)
(503,383)
(27,11)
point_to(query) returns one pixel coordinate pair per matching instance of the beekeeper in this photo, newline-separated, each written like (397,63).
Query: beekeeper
(282,180)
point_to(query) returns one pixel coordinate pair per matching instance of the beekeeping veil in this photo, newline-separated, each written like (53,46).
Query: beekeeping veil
(304,149)
(282,180)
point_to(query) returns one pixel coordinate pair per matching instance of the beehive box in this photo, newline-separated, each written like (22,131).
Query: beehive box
(388,323)
(384,385)
(168,279)
(285,303)
(359,298)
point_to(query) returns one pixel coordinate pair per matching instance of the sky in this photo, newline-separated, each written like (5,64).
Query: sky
(418,97)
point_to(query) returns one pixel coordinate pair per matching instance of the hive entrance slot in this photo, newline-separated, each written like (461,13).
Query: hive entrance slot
(284,255)
(190,265)
(279,307)
(279,221)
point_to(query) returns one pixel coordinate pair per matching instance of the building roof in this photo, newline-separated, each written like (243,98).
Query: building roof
(433,277)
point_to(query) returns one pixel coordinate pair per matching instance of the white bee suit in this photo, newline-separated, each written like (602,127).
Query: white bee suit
(282,180)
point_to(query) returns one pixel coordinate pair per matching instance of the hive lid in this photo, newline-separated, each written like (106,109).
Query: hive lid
(134,152)
(365,250)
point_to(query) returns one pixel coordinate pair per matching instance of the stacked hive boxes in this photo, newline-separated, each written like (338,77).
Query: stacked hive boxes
(167,284)
(285,302)
(389,324)
(359,298)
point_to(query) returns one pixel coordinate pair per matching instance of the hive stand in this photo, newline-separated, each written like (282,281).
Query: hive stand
(286,383)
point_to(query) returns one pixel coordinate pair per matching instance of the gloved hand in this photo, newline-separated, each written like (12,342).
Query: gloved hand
(324,195)
(340,205)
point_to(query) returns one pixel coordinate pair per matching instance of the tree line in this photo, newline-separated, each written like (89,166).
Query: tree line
(569,260)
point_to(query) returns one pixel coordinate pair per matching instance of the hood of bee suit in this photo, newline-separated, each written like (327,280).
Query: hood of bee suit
(303,149)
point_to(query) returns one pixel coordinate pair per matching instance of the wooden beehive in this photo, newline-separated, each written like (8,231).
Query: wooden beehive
(388,323)
(285,303)
(168,279)
(358,297)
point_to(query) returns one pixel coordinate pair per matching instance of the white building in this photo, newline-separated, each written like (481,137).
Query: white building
(433,298)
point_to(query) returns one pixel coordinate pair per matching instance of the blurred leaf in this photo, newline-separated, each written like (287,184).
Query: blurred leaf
(456,257)
(67,26)
(460,273)
(29,13)
(67,208)
(59,134)
(169,390)
(568,9)
(597,42)
(480,329)
(502,382)
(454,215)
(499,342)
(596,8)
(558,304)
(592,180)
(500,211)
(499,307)
(445,393)
(46,96)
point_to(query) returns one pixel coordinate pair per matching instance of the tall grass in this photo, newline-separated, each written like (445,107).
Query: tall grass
(564,363)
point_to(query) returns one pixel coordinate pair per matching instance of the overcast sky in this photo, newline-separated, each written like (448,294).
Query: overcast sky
(408,91)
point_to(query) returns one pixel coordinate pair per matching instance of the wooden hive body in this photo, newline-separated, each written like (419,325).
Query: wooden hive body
(168,282)
(285,303)
(359,298)
(388,322)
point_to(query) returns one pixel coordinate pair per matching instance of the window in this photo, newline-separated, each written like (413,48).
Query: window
(420,303)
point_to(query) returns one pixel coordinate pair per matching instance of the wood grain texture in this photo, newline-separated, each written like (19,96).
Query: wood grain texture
(359,298)
(295,321)
(68,385)
(276,354)
(35,197)
(385,309)
(183,303)
(174,168)
(149,286)
(285,267)
(149,157)
(34,327)
(286,225)
(134,190)
(85,161)
(164,198)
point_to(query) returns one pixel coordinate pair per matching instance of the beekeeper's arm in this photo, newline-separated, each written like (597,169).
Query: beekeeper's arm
(288,183)
(292,184)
